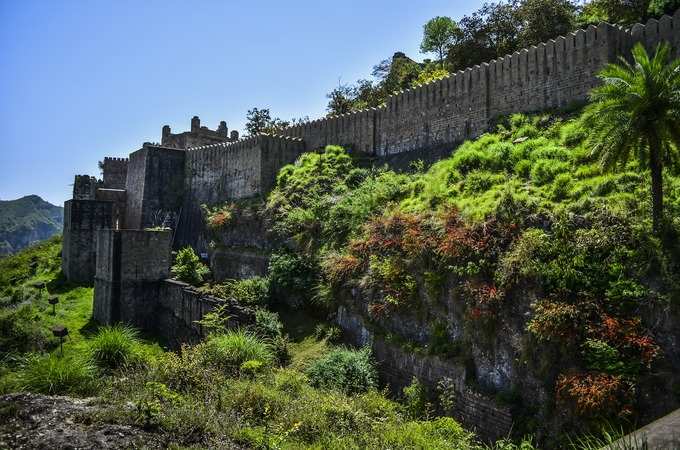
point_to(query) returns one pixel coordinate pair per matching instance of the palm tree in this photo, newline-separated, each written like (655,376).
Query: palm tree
(636,111)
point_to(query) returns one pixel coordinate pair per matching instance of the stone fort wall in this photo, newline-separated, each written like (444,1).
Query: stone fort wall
(227,171)
(165,185)
(462,106)
(114,172)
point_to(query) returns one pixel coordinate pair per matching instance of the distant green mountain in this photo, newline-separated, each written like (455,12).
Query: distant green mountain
(27,220)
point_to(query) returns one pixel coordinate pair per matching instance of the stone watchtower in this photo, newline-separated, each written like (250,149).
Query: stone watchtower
(198,136)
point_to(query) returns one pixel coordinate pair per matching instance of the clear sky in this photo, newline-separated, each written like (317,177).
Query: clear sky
(80,80)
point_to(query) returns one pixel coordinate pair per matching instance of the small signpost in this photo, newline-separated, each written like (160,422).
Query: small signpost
(61,332)
(53,300)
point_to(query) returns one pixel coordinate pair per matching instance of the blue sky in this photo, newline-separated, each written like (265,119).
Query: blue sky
(81,80)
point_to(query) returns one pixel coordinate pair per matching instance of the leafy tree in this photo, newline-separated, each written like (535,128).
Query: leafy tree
(261,121)
(391,75)
(489,32)
(397,74)
(189,268)
(660,7)
(541,20)
(341,100)
(429,74)
(439,34)
(498,29)
(622,12)
(637,111)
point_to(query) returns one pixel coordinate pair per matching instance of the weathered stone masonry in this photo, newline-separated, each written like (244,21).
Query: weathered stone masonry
(462,106)
(165,184)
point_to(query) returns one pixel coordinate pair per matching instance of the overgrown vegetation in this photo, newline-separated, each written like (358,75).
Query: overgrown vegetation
(496,29)
(189,268)
(232,388)
(520,231)
(525,207)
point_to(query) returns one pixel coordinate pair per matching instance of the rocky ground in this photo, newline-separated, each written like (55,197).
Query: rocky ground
(31,421)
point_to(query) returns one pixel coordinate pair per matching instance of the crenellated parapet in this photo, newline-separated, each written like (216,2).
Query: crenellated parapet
(114,172)
(198,135)
(461,106)
(165,184)
(85,187)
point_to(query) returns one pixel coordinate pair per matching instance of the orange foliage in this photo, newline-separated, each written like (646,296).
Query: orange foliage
(398,233)
(339,268)
(627,333)
(483,298)
(595,394)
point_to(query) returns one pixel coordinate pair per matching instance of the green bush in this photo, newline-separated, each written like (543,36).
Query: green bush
(601,356)
(331,333)
(189,268)
(230,350)
(347,370)
(20,331)
(523,168)
(545,170)
(561,186)
(250,291)
(267,324)
(469,158)
(549,151)
(572,133)
(188,370)
(479,181)
(55,375)
(114,346)
(415,399)
(292,275)
(443,433)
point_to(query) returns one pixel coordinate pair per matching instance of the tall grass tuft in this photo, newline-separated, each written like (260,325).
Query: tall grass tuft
(51,374)
(114,346)
(346,370)
(611,439)
(230,350)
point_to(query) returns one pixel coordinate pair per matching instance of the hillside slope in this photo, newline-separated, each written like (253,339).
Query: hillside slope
(516,271)
(27,220)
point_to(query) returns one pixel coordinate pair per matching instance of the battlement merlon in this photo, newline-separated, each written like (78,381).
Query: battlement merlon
(114,172)
(197,136)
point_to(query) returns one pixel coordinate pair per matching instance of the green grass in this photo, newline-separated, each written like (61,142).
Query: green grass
(28,349)
(55,374)
(233,348)
(114,346)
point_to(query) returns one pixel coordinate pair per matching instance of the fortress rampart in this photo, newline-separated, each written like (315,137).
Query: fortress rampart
(166,184)
(228,171)
(552,74)
(162,186)
(197,136)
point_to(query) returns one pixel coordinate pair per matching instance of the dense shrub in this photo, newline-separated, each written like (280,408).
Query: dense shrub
(267,324)
(20,331)
(292,275)
(440,434)
(114,346)
(595,394)
(188,370)
(415,399)
(218,217)
(249,291)
(230,350)
(189,268)
(347,370)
